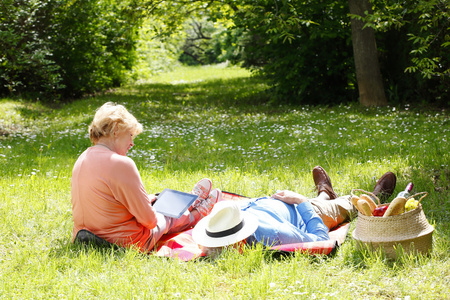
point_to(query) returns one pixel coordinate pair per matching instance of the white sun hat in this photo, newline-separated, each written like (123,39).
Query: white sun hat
(226,225)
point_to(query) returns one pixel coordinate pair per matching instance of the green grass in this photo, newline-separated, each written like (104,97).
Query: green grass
(217,122)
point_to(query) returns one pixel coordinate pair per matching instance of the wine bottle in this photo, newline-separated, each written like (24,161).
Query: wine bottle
(407,191)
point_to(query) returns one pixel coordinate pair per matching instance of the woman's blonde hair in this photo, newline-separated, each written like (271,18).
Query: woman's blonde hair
(111,117)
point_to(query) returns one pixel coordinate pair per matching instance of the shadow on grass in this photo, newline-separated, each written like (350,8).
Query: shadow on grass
(66,248)
(243,94)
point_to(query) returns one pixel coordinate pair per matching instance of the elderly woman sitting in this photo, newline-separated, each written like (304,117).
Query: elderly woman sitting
(108,196)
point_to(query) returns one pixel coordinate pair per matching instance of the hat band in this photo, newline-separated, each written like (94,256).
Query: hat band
(227,232)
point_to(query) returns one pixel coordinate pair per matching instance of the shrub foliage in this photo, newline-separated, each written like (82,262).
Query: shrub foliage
(54,48)
(304,48)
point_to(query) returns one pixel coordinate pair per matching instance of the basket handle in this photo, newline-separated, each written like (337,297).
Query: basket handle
(371,194)
(421,193)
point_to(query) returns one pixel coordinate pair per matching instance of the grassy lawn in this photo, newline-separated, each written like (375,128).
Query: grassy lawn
(216,122)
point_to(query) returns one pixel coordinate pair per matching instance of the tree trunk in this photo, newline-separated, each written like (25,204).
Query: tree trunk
(368,75)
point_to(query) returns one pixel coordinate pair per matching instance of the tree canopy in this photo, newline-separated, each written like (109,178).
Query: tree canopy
(66,48)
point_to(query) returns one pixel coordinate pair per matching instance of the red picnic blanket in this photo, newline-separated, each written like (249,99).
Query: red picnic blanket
(182,246)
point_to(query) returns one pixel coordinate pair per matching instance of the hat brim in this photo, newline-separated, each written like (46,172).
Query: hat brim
(200,237)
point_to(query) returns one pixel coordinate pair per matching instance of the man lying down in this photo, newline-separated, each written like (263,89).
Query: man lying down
(284,218)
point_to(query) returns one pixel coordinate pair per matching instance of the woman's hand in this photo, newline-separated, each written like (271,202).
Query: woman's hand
(152,198)
(289,197)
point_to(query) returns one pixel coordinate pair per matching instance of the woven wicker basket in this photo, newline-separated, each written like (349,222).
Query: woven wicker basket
(411,230)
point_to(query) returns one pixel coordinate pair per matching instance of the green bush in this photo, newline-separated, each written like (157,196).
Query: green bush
(27,63)
(97,46)
(56,48)
(414,43)
(304,49)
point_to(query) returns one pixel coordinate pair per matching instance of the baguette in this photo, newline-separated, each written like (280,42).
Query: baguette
(364,207)
(396,207)
(369,201)
(354,201)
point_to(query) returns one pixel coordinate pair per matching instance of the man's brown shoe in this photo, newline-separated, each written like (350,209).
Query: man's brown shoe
(323,182)
(385,186)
